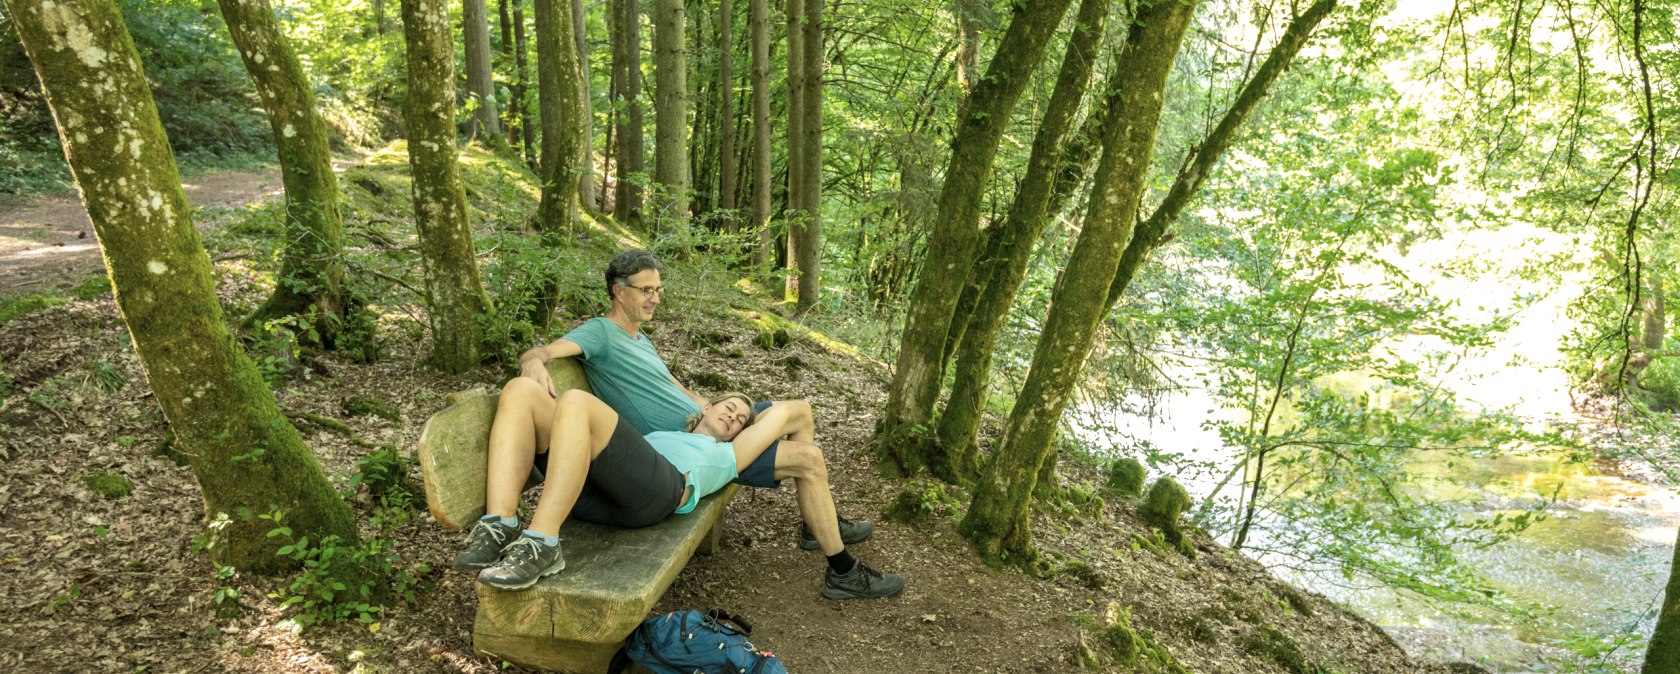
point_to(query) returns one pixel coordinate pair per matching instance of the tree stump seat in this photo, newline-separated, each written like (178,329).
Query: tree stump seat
(572,621)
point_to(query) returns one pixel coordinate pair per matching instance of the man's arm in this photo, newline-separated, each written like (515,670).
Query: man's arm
(789,419)
(531,363)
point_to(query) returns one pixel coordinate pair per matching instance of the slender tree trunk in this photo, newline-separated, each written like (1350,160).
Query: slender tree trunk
(805,237)
(505,35)
(632,155)
(997,517)
(954,457)
(560,88)
(586,173)
(794,211)
(1656,318)
(455,297)
(968,45)
(245,455)
(475,29)
(670,69)
(522,90)
(759,15)
(702,143)
(378,17)
(916,378)
(312,277)
(726,111)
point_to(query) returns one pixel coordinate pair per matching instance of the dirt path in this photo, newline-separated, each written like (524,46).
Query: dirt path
(46,240)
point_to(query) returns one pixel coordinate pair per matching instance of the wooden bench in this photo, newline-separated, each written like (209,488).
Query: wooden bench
(572,621)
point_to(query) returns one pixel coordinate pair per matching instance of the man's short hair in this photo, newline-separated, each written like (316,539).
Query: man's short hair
(629,263)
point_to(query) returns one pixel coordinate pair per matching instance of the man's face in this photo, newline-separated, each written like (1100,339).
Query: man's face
(641,295)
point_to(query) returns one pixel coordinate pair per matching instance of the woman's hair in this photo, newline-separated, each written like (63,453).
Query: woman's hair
(694,419)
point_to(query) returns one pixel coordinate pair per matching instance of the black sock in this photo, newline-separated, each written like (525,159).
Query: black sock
(841,562)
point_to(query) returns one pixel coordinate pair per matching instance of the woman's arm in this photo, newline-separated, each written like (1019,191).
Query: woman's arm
(784,418)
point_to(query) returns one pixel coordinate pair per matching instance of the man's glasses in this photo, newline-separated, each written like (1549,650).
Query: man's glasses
(658,291)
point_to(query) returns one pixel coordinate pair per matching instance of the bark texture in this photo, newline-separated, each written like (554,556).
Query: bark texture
(951,243)
(795,169)
(998,273)
(726,108)
(312,274)
(481,87)
(455,297)
(997,517)
(561,90)
(527,128)
(805,234)
(586,166)
(759,16)
(244,454)
(1662,656)
(632,156)
(670,70)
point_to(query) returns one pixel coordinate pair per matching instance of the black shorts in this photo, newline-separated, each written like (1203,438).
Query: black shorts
(629,485)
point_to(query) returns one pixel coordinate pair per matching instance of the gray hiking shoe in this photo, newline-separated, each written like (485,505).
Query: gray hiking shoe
(485,543)
(850,532)
(861,582)
(523,563)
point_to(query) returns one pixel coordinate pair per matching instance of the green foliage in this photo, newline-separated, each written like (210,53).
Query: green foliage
(1125,477)
(1661,381)
(105,377)
(275,346)
(923,499)
(1266,641)
(109,486)
(204,97)
(340,581)
(385,472)
(14,307)
(1136,649)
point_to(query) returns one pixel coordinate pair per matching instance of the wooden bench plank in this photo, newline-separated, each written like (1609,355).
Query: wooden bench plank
(574,620)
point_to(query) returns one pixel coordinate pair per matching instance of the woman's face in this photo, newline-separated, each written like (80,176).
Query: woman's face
(724,419)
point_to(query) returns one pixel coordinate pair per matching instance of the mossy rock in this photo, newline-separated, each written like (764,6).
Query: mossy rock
(922,500)
(1163,506)
(358,406)
(711,381)
(109,486)
(1125,477)
(1083,572)
(711,337)
(1266,641)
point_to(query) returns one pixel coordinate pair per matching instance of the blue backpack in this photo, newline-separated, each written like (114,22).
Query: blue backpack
(692,642)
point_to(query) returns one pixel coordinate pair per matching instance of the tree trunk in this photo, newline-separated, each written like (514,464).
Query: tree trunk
(805,236)
(455,298)
(954,457)
(702,142)
(586,165)
(1656,318)
(246,457)
(726,111)
(311,279)
(1662,655)
(760,18)
(560,89)
(632,156)
(475,29)
(527,127)
(903,430)
(997,518)
(670,107)
(505,35)
(794,211)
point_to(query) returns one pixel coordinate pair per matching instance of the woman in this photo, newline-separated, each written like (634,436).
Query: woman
(600,470)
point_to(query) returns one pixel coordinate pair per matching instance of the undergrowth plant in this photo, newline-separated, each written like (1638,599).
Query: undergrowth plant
(339,580)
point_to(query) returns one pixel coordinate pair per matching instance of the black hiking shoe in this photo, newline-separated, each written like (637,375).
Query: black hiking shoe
(485,543)
(861,582)
(850,532)
(523,563)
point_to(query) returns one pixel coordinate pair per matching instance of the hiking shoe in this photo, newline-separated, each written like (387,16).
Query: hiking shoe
(850,532)
(485,543)
(861,582)
(523,563)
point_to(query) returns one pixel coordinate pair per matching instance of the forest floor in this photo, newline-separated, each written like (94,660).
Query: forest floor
(114,585)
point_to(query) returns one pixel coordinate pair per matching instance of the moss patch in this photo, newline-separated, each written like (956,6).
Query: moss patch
(922,500)
(358,406)
(1125,477)
(28,304)
(109,486)
(1268,642)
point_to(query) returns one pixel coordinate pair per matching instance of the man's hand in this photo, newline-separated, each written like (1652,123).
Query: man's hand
(532,363)
(535,368)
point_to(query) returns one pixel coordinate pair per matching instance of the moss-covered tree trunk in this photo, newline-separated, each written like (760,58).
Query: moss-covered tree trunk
(560,88)
(311,280)
(632,156)
(954,457)
(245,456)
(951,242)
(522,84)
(805,235)
(475,36)
(794,200)
(997,517)
(586,164)
(1662,655)
(670,108)
(759,17)
(726,110)
(455,298)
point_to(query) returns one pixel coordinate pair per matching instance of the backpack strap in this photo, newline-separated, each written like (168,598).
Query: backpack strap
(722,615)
(647,644)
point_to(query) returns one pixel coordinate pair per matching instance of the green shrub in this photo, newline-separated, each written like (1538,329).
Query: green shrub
(922,500)
(1661,381)
(385,473)
(341,581)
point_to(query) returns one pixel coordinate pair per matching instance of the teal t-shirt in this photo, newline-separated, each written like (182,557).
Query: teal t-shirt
(627,374)
(709,464)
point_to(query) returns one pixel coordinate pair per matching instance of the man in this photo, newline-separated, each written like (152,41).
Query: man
(626,372)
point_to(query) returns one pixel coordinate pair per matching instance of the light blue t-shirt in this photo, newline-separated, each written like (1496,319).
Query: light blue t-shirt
(627,374)
(709,464)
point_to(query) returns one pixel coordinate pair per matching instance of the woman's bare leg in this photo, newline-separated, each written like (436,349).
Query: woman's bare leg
(524,416)
(579,429)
